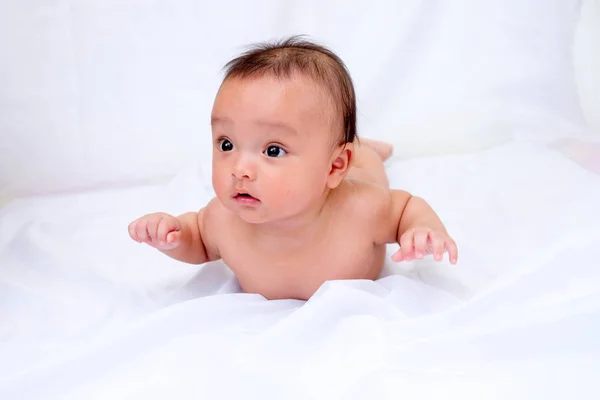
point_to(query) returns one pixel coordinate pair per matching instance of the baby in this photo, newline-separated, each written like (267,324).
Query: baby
(299,199)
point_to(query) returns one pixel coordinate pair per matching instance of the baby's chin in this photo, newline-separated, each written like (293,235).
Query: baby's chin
(250,215)
(254,219)
(257,216)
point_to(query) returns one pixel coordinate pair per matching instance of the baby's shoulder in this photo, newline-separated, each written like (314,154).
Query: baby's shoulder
(372,210)
(365,199)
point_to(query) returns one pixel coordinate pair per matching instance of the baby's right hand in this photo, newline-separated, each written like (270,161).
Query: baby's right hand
(159,230)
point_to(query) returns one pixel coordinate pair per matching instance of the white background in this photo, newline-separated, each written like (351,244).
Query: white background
(587,61)
(107,92)
(113,92)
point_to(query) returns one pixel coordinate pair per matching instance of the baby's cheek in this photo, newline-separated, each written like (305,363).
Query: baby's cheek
(291,188)
(218,182)
(289,196)
(284,191)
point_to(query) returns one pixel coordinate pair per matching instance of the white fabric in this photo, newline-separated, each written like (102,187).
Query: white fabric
(107,92)
(587,61)
(87,313)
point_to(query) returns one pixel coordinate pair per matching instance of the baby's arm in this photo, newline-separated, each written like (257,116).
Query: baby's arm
(419,230)
(180,237)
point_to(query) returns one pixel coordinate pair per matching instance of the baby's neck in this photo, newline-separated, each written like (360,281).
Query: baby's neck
(292,233)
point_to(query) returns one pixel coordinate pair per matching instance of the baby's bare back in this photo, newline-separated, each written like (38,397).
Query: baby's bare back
(348,243)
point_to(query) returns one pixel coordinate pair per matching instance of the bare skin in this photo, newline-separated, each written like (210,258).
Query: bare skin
(311,210)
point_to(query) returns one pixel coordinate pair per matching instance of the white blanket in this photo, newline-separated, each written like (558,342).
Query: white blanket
(87,313)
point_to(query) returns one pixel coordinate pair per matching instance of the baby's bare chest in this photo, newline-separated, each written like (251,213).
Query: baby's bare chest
(298,271)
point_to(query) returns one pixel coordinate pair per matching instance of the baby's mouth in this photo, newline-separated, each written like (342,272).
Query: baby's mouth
(241,196)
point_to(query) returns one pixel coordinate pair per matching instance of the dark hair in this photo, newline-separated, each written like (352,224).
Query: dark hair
(294,54)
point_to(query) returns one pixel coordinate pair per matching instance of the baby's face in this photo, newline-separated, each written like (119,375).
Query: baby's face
(273,143)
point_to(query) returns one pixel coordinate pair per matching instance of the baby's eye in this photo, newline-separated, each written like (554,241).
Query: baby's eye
(274,151)
(225,145)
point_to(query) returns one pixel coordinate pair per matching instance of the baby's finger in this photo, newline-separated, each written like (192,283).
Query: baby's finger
(401,255)
(452,250)
(174,237)
(141,231)
(165,226)
(132,233)
(406,244)
(152,228)
(437,245)
(421,243)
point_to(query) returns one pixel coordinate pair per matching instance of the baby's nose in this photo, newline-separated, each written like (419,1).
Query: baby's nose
(245,168)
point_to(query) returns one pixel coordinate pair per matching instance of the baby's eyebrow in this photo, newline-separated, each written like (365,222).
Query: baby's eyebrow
(277,125)
(220,120)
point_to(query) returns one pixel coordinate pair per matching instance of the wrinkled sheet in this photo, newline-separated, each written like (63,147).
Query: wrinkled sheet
(87,313)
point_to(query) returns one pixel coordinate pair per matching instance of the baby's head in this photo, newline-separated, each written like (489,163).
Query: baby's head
(283,127)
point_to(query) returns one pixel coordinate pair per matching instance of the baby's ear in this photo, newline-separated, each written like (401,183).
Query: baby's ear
(340,164)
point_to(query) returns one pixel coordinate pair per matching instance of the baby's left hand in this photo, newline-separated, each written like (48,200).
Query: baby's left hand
(415,243)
